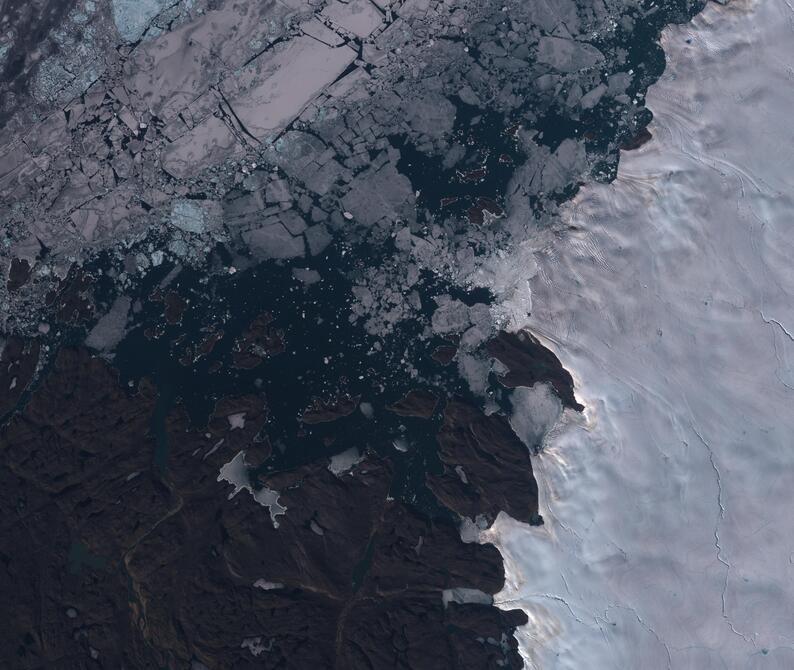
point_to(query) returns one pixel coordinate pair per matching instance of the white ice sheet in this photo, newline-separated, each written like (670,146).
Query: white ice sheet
(669,507)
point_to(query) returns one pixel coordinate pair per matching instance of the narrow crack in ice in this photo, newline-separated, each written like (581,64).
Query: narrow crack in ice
(546,596)
(717,541)
(780,363)
(771,321)
(645,625)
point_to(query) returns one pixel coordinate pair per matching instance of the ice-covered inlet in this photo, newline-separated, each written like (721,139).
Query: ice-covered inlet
(669,507)
(238,474)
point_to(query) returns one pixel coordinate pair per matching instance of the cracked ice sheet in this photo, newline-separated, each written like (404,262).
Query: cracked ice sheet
(268,94)
(669,538)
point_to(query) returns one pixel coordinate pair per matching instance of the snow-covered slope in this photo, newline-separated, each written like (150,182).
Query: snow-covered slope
(669,507)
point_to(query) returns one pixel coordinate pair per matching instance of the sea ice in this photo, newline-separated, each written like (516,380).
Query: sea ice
(132,17)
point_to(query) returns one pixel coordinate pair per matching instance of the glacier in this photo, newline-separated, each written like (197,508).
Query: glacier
(669,534)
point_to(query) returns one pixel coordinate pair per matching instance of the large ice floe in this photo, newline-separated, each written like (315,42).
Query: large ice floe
(669,505)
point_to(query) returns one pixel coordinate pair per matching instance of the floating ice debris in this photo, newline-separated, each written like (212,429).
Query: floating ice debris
(110,329)
(359,17)
(567,55)
(306,275)
(188,215)
(132,17)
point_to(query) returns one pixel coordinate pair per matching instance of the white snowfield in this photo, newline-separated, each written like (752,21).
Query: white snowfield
(669,507)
